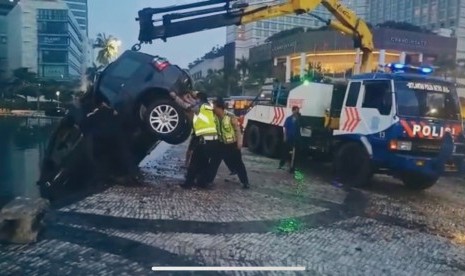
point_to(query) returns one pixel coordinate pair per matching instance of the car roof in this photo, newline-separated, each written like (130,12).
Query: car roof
(397,76)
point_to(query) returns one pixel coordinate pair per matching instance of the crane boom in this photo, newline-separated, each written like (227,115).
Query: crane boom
(223,13)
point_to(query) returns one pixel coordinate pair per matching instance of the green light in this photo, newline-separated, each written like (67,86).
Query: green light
(288,226)
(306,82)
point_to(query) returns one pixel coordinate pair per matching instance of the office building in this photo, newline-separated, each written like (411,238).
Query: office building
(79,9)
(44,37)
(291,55)
(247,36)
(5,7)
(431,14)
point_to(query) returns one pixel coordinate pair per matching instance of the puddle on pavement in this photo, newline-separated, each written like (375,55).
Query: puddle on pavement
(158,165)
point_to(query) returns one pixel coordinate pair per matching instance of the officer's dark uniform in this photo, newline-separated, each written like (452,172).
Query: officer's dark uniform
(292,143)
(229,133)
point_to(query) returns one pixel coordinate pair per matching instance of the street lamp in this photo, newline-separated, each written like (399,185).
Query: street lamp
(58,99)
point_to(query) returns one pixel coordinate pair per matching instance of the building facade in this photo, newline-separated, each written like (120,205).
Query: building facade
(430,14)
(44,37)
(247,36)
(80,11)
(200,70)
(336,55)
(5,7)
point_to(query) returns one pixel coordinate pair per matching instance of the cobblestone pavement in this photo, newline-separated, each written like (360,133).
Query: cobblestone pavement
(384,230)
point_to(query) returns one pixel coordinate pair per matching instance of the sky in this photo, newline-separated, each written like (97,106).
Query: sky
(117,18)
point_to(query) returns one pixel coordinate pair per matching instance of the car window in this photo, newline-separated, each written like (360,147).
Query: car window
(378,95)
(353,94)
(125,68)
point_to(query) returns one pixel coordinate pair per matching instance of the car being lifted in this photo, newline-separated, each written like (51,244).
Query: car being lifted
(138,87)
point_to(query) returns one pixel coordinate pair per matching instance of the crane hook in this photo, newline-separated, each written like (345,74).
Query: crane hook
(136,47)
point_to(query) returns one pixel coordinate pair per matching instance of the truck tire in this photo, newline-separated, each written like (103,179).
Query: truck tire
(165,119)
(254,139)
(352,165)
(271,142)
(418,182)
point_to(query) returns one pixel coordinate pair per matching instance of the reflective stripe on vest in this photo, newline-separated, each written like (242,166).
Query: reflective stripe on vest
(226,130)
(204,122)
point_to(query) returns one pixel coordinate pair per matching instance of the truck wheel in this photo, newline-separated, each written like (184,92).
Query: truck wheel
(165,119)
(271,142)
(352,165)
(418,182)
(253,139)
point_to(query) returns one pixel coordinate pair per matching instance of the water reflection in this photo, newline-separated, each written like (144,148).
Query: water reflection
(22,145)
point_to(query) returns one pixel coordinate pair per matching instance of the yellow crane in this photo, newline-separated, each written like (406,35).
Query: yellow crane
(232,12)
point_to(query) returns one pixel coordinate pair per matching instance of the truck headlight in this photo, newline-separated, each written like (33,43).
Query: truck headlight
(400,145)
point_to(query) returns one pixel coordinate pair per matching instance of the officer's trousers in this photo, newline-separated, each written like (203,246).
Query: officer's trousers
(200,169)
(232,157)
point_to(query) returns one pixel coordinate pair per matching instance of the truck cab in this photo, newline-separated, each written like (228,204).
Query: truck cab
(399,119)
(377,123)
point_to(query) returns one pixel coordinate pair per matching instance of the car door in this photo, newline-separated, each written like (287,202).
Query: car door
(116,79)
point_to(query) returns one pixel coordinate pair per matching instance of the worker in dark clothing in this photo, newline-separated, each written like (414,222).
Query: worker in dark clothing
(194,141)
(291,140)
(110,150)
(230,137)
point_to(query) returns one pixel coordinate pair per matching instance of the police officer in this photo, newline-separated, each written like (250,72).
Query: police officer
(200,166)
(230,137)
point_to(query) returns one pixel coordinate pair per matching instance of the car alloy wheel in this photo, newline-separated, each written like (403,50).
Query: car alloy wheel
(164,119)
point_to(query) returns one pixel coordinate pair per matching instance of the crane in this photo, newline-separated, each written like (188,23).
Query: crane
(221,13)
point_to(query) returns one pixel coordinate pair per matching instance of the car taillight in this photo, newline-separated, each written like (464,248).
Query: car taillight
(160,64)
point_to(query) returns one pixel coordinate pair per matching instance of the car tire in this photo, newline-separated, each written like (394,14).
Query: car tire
(182,137)
(352,165)
(165,119)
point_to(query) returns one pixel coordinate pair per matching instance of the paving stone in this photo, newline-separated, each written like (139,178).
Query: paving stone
(384,230)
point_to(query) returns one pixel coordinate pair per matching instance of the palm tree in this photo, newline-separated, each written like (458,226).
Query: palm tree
(109,47)
(243,67)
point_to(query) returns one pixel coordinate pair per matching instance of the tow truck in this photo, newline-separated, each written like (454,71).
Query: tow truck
(384,122)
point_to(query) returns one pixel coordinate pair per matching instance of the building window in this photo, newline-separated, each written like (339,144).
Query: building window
(266,25)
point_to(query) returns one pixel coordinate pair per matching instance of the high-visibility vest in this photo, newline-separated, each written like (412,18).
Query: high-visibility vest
(226,130)
(204,122)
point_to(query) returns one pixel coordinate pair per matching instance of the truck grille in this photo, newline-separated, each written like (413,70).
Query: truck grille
(432,147)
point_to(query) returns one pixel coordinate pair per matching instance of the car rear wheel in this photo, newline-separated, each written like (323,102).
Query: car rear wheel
(166,120)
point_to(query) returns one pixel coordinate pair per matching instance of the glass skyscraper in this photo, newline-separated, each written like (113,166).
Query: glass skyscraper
(250,35)
(430,14)
(79,9)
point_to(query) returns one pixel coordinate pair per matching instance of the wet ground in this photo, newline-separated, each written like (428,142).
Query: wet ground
(283,220)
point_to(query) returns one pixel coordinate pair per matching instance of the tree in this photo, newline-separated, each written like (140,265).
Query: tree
(215,52)
(109,47)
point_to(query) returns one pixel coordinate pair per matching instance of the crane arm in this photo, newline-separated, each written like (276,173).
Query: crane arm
(221,13)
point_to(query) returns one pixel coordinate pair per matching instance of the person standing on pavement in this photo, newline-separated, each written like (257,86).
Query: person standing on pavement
(230,137)
(207,150)
(291,136)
